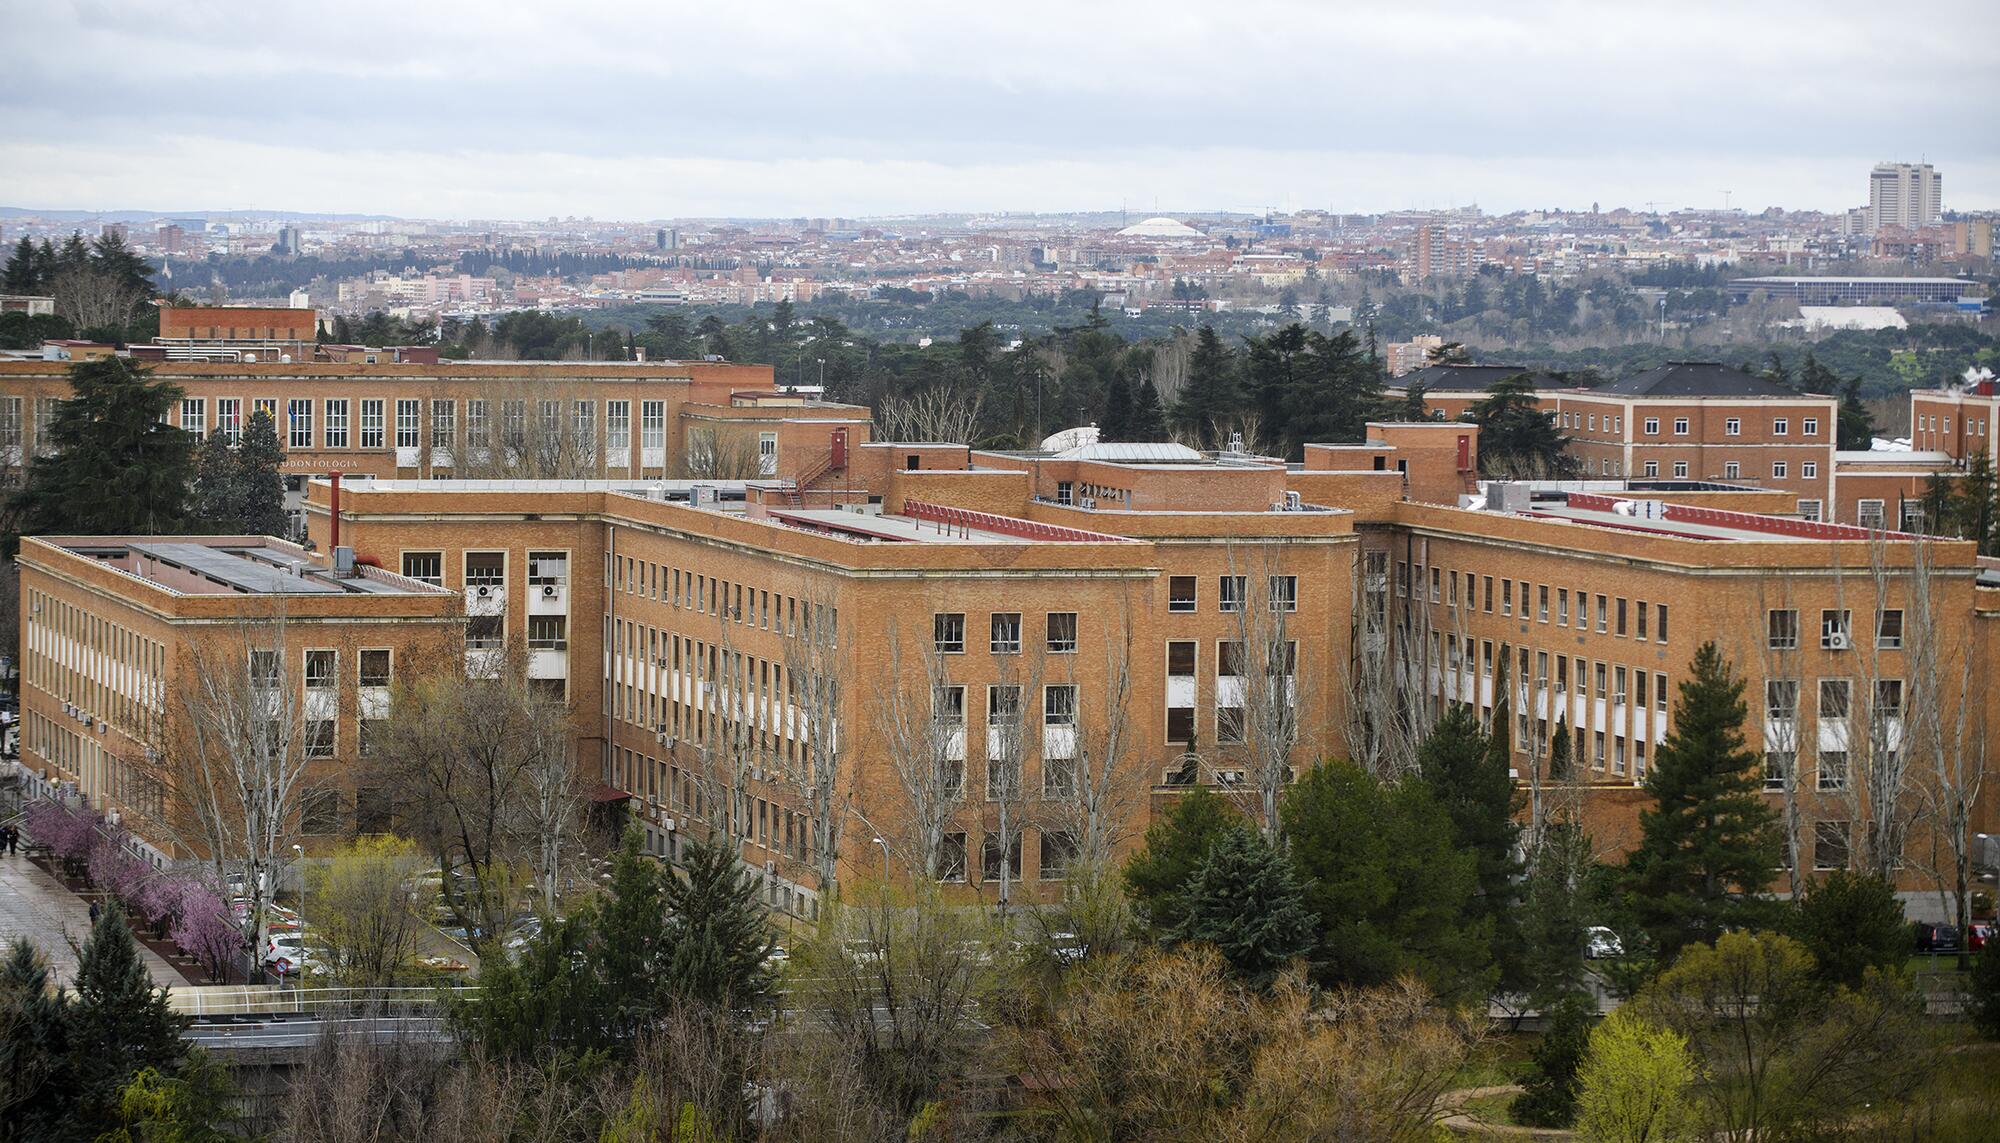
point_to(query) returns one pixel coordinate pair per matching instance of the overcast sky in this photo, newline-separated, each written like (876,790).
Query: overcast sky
(648,109)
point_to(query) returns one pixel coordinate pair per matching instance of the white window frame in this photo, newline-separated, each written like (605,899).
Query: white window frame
(299,422)
(334,431)
(409,422)
(372,422)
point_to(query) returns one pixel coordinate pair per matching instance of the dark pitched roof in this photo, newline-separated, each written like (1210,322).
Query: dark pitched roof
(1695,379)
(1470,378)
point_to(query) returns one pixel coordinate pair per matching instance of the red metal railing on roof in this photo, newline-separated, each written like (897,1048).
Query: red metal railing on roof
(1742,521)
(1005,525)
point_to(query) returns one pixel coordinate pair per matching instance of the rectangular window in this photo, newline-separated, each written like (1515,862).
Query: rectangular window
(548,632)
(1778,765)
(948,632)
(1680,426)
(618,431)
(1888,699)
(1062,632)
(426,566)
(1781,630)
(485,569)
(1731,470)
(1650,468)
(1779,470)
(514,425)
(299,422)
(1506,597)
(1780,426)
(652,424)
(1620,630)
(1809,509)
(1542,603)
(406,422)
(1836,632)
(336,423)
(10,428)
(1733,427)
(1680,470)
(1229,594)
(1889,629)
(319,737)
(1006,633)
(1662,609)
(478,427)
(229,418)
(1065,492)
(1832,769)
(1180,593)
(1642,620)
(1652,426)
(321,667)
(371,423)
(375,668)
(444,423)
(1603,614)
(583,417)
(1562,607)
(1284,593)
(1810,426)
(194,414)
(1869,513)
(1059,851)
(1809,469)
(1830,845)
(1180,658)
(1486,583)
(1834,700)
(951,858)
(989,857)
(1059,705)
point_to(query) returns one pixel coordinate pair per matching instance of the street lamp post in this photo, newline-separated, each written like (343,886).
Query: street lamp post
(300,850)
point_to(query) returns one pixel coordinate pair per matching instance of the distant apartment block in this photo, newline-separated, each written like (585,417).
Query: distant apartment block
(1904,194)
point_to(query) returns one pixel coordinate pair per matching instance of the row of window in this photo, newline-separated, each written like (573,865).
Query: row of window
(1615,615)
(1836,629)
(1731,426)
(126,667)
(1232,593)
(948,633)
(555,422)
(1733,470)
(488,569)
(725,599)
(1974,426)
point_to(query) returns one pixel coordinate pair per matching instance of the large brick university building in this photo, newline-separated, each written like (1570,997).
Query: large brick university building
(730,586)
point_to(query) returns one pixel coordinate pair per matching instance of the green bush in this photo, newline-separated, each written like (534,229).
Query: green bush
(1983,1003)
(1548,1096)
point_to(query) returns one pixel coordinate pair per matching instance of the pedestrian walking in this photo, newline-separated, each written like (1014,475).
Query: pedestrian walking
(93,914)
(13,838)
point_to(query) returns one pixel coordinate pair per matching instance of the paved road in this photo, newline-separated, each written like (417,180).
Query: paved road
(303,1033)
(36,906)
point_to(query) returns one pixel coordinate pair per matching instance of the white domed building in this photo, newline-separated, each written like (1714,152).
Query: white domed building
(1161,227)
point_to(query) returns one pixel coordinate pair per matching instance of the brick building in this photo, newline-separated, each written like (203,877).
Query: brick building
(1121,604)
(114,629)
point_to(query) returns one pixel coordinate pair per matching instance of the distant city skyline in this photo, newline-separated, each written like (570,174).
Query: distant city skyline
(630,111)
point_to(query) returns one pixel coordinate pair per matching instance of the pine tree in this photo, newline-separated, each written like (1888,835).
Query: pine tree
(119,1023)
(1709,846)
(37,1077)
(1245,899)
(720,940)
(632,941)
(1149,420)
(259,499)
(1116,424)
(1176,843)
(1974,504)
(24,270)
(213,500)
(1467,773)
(1856,427)
(1555,915)
(118,467)
(1210,398)
(1560,750)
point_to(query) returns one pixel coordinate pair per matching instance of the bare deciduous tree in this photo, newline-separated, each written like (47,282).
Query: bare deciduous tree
(936,414)
(711,455)
(920,718)
(1096,798)
(813,667)
(233,763)
(474,766)
(1263,679)
(1014,709)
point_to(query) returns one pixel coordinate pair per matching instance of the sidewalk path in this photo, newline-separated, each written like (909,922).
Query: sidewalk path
(37,906)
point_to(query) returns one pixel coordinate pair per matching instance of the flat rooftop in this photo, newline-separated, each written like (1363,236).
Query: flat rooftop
(923,523)
(235,565)
(1688,522)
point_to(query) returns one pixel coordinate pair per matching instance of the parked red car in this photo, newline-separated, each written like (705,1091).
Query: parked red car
(1977,934)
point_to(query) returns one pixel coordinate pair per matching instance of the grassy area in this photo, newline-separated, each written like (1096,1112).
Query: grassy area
(1500,1059)
(1492,1108)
